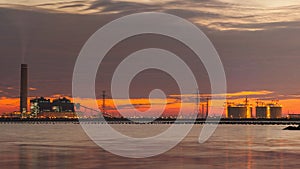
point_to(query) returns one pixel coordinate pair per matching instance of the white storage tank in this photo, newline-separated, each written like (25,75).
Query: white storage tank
(239,111)
(261,112)
(275,111)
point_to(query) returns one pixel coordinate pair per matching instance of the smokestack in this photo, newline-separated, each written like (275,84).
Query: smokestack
(24,88)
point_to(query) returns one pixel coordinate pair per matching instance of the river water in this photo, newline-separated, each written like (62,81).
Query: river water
(63,145)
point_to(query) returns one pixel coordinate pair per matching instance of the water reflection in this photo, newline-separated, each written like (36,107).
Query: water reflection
(249,145)
(42,146)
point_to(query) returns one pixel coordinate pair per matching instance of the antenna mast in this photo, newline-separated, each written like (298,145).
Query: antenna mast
(197,102)
(103,100)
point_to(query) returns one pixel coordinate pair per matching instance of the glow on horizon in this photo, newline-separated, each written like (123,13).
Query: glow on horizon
(291,106)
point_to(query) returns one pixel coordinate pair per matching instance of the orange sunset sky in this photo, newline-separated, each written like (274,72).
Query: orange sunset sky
(171,104)
(257,41)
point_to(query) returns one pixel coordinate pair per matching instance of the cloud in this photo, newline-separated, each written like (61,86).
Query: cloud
(249,93)
(253,60)
(215,14)
(72,6)
(229,95)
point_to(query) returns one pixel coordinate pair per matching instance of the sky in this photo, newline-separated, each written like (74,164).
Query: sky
(257,40)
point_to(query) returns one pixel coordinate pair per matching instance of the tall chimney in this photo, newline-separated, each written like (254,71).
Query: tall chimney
(24,88)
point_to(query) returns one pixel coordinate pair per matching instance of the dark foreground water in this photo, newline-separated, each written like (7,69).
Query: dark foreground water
(67,146)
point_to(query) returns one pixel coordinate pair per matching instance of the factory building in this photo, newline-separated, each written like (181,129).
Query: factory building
(272,111)
(62,105)
(41,106)
(275,111)
(294,116)
(262,112)
(239,111)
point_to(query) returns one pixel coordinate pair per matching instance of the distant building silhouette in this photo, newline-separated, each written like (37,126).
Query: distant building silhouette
(275,111)
(42,105)
(272,110)
(240,111)
(62,105)
(262,112)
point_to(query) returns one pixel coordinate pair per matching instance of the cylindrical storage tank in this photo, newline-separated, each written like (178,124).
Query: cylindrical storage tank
(275,111)
(237,111)
(261,112)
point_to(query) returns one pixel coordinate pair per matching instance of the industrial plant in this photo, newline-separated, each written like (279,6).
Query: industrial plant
(271,110)
(41,107)
(58,108)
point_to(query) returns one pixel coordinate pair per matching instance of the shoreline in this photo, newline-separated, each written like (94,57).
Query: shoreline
(283,121)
